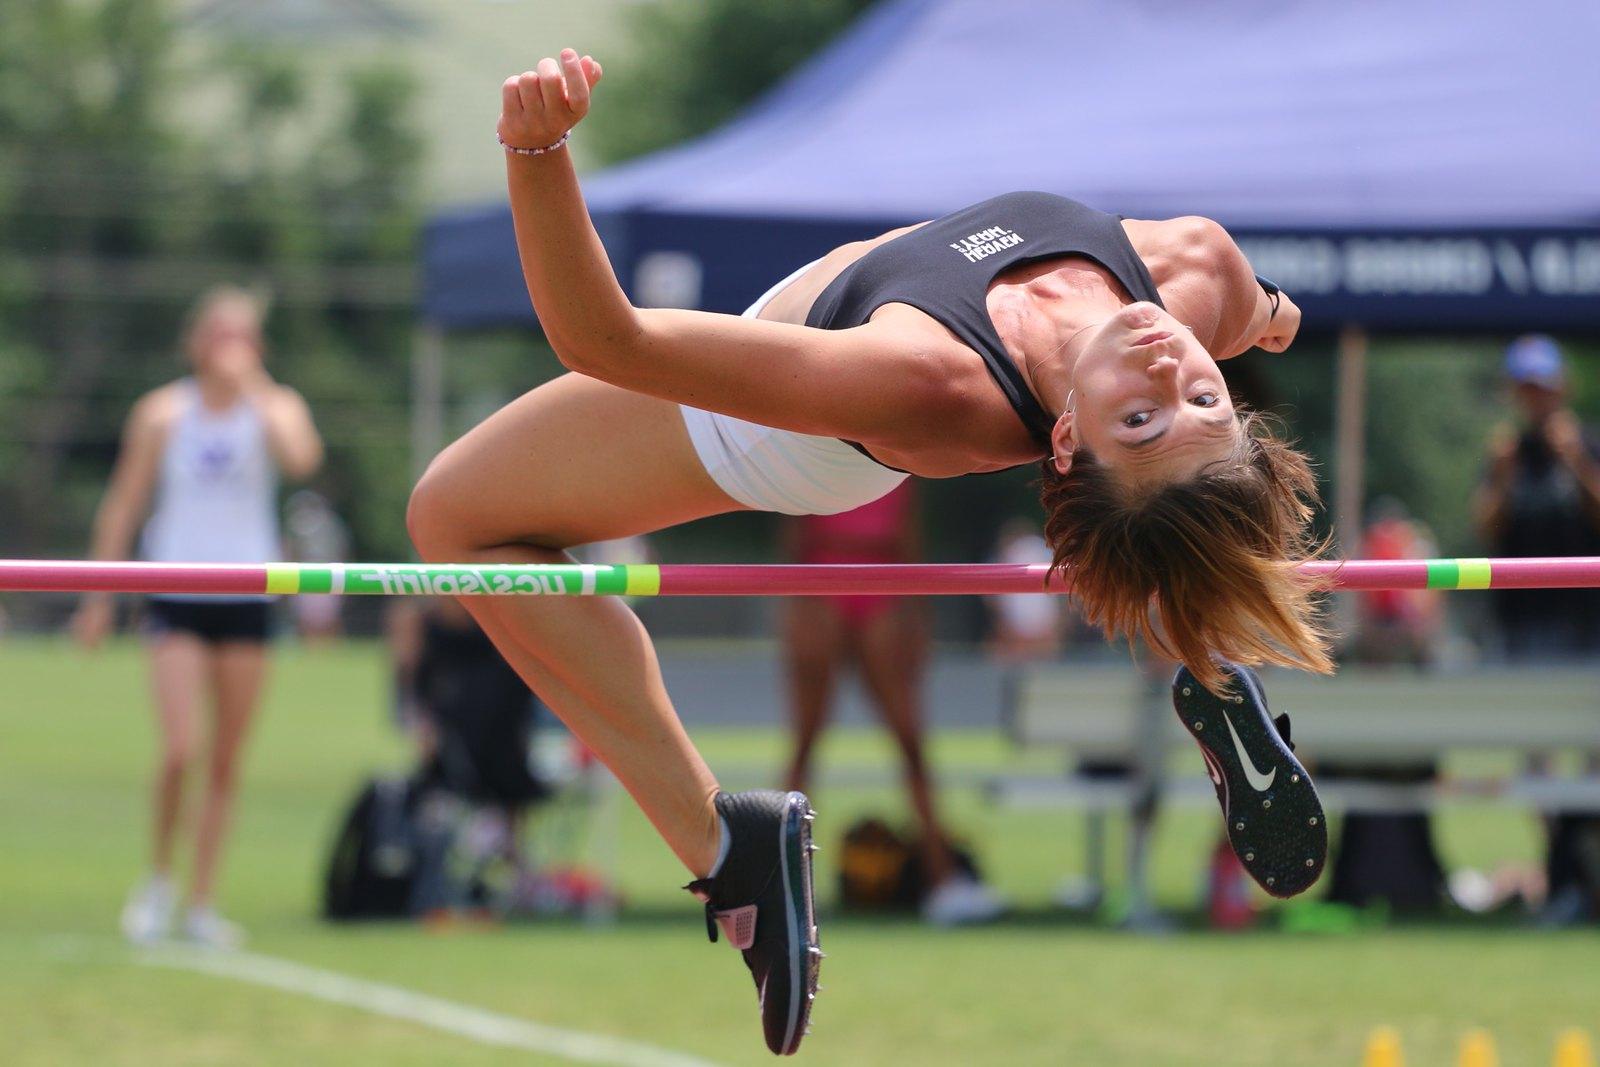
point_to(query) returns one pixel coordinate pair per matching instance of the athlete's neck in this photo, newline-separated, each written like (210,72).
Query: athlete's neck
(1042,311)
(1063,327)
(1052,375)
(217,394)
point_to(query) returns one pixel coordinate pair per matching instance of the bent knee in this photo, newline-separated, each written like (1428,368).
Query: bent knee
(448,522)
(439,518)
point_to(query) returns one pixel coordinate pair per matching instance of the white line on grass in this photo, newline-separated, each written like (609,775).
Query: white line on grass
(394,1002)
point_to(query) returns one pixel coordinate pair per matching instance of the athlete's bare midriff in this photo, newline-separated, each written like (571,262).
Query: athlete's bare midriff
(990,436)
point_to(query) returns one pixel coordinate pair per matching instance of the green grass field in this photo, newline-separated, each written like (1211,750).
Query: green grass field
(75,741)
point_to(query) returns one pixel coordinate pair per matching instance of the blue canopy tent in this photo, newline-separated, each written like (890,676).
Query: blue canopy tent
(1399,165)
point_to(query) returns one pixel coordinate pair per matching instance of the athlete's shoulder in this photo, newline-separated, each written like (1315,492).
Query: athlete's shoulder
(1200,242)
(1190,231)
(153,415)
(160,406)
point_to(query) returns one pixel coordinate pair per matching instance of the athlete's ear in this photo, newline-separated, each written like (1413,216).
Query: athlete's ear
(1061,443)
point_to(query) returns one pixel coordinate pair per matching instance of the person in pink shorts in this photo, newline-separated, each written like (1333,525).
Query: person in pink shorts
(885,638)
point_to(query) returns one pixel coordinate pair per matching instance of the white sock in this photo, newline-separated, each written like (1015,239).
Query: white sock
(722,849)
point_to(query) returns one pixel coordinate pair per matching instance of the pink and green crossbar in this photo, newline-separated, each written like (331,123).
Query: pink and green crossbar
(687,579)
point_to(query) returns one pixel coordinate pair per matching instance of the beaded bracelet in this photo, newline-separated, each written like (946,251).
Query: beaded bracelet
(551,147)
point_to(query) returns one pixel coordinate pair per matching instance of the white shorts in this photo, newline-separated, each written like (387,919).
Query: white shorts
(766,469)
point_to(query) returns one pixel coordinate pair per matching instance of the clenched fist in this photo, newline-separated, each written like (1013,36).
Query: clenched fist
(538,107)
(1281,327)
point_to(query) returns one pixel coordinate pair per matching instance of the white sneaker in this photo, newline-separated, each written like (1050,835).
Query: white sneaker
(960,900)
(147,917)
(205,928)
(1079,894)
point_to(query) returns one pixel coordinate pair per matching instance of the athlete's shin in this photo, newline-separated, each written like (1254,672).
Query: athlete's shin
(593,663)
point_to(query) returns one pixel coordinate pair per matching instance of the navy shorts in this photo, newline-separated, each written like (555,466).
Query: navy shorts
(213,622)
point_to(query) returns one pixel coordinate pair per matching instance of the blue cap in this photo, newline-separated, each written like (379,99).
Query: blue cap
(1535,360)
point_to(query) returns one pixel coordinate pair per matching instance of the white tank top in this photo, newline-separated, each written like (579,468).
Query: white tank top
(216,495)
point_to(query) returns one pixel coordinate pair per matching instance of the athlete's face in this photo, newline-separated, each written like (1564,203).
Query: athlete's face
(1148,400)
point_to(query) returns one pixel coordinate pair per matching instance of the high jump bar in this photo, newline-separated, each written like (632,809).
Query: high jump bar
(689,579)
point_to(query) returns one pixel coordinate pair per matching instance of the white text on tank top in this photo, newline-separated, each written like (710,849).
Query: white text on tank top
(216,498)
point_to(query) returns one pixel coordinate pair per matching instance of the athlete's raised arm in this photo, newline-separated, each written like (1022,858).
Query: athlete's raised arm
(866,384)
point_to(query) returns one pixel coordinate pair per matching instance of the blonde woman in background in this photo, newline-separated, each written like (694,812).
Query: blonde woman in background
(198,468)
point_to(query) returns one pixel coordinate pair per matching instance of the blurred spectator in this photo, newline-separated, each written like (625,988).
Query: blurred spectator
(1027,626)
(315,534)
(207,449)
(886,639)
(470,712)
(1399,626)
(472,719)
(1540,496)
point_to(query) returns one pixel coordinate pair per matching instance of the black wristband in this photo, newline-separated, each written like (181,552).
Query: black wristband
(1274,294)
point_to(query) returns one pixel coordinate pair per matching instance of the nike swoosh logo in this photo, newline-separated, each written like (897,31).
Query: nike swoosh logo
(1258,781)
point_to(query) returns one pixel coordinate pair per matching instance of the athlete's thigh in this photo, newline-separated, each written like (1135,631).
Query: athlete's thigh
(575,460)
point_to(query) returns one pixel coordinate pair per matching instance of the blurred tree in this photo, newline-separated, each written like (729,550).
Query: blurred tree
(138,166)
(696,62)
(1430,405)
(78,91)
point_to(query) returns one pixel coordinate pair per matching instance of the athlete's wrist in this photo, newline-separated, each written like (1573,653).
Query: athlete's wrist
(518,150)
(1274,295)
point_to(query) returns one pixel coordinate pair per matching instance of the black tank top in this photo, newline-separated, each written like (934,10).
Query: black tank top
(944,269)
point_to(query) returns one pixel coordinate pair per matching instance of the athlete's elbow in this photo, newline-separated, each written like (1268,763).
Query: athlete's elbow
(602,352)
(589,359)
(574,358)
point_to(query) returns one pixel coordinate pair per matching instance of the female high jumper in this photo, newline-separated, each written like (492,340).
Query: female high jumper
(1023,329)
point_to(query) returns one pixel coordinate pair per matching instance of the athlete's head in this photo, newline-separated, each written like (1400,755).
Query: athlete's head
(1146,399)
(1160,492)
(223,333)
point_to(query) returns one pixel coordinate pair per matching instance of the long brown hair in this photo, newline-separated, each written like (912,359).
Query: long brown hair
(1217,553)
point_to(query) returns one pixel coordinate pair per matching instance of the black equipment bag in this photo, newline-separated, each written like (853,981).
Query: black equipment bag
(377,860)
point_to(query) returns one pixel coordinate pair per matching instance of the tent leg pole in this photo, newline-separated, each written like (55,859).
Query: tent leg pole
(1350,441)
(427,397)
